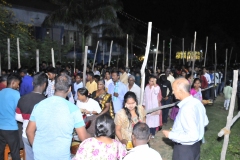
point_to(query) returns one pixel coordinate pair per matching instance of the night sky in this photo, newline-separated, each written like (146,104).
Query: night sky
(187,16)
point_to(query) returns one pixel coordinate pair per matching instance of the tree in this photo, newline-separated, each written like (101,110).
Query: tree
(87,15)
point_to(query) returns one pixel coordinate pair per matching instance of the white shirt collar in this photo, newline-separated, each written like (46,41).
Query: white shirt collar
(181,104)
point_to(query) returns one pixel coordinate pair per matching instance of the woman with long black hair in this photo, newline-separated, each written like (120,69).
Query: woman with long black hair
(128,116)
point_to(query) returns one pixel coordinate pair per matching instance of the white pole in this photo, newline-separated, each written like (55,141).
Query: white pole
(183,51)
(110,54)
(127,52)
(170,54)
(230,115)
(194,48)
(95,56)
(155,66)
(225,75)
(230,56)
(74,56)
(37,60)
(145,61)
(205,52)
(53,61)
(163,55)
(132,54)
(18,51)
(215,66)
(9,61)
(85,66)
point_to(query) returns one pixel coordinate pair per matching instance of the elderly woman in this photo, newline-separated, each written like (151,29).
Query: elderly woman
(131,86)
(103,146)
(128,116)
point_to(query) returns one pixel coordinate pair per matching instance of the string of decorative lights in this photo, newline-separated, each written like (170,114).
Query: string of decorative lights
(144,24)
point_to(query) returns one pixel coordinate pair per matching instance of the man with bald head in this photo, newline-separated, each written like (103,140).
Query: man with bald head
(188,128)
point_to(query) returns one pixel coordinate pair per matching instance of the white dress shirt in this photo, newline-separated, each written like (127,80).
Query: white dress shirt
(188,127)
(207,76)
(142,152)
(136,89)
(91,105)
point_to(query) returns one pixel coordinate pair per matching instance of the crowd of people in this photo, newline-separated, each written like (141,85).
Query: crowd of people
(54,103)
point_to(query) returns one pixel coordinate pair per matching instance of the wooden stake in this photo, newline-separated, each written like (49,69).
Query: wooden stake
(9,60)
(205,57)
(194,48)
(230,115)
(74,57)
(225,75)
(145,61)
(85,66)
(163,56)
(132,54)
(127,52)
(95,56)
(53,60)
(215,65)
(183,51)
(37,60)
(110,54)
(103,55)
(170,54)
(18,52)
(230,56)
(155,66)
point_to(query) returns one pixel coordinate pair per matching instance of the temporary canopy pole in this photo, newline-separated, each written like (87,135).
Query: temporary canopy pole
(145,61)
(85,66)
(155,66)
(127,52)
(18,52)
(110,54)
(163,55)
(53,60)
(225,75)
(103,55)
(230,56)
(8,49)
(74,56)
(194,48)
(37,60)
(95,56)
(215,65)
(205,52)
(183,51)
(170,54)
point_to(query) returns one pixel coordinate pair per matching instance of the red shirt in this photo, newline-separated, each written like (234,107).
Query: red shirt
(2,86)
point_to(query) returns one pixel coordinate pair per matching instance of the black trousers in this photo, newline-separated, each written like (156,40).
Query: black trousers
(186,152)
(11,138)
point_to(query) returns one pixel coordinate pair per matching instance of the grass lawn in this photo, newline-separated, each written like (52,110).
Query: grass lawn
(211,150)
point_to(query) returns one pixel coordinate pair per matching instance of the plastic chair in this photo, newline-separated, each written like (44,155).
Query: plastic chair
(7,151)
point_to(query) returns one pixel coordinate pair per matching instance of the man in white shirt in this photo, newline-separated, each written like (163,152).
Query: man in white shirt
(141,151)
(188,127)
(78,84)
(131,86)
(107,80)
(207,76)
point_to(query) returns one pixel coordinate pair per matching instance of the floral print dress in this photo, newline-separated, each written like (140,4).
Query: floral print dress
(92,149)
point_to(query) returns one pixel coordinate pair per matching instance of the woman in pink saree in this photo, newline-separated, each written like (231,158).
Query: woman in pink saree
(152,99)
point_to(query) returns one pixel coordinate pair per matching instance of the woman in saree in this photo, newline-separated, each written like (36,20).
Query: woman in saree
(104,99)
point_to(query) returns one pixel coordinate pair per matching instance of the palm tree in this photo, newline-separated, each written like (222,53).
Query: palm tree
(87,15)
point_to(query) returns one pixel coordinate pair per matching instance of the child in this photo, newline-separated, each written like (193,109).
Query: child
(227,91)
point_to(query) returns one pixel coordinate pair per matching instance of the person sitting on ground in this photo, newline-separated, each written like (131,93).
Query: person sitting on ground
(227,91)
(103,146)
(140,137)
(89,107)
(127,117)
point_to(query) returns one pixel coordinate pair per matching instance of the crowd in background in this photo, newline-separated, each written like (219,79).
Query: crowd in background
(51,103)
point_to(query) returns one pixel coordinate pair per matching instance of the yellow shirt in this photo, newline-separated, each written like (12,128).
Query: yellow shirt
(124,78)
(91,87)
